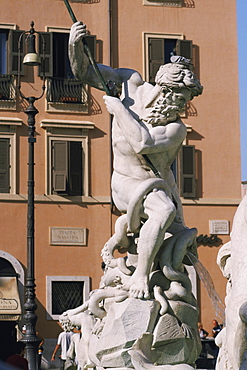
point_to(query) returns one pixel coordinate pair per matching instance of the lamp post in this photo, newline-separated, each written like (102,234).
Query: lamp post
(30,338)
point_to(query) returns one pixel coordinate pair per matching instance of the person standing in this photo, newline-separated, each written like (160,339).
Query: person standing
(17,360)
(63,343)
(74,349)
(216,328)
(202,332)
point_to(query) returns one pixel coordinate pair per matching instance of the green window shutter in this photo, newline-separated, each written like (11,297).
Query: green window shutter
(187,172)
(156,56)
(4,166)
(48,39)
(184,48)
(91,41)
(60,166)
(75,168)
(14,36)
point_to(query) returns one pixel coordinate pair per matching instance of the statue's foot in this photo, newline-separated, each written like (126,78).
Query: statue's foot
(139,289)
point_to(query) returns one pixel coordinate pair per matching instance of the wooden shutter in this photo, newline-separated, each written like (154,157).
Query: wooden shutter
(75,168)
(60,166)
(14,36)
(91,41)
(187,172)
(156,56)
(4,166)
(184,48)
(48,39)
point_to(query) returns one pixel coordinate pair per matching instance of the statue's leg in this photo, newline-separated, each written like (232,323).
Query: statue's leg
(160,211)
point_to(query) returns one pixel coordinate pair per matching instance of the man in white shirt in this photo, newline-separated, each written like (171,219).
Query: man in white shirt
(63,342)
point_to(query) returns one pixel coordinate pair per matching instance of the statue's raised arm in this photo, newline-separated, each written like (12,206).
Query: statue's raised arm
(80,64)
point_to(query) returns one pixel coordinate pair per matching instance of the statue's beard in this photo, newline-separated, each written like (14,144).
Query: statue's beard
(162,116)
(164,111)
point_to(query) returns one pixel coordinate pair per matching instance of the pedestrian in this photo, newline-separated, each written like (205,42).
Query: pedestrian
(73,351)
(216,328)
(17,360)
(40,349)
(40,346)
(202,332)
(63,343)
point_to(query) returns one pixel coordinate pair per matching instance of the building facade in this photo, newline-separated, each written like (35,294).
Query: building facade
(74,214)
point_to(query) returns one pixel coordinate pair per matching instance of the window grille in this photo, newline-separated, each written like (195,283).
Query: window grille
(7,88)
(62,90)
(66,295)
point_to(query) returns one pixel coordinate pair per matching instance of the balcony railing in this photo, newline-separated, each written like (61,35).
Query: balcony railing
(7,88)
(62,90)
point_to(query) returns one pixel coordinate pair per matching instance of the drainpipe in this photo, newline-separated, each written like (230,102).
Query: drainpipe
(110,117)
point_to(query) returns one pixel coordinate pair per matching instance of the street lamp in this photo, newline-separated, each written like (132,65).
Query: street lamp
(31,59)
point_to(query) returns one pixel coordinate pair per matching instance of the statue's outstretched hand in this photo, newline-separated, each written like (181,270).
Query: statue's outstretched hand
(77,32)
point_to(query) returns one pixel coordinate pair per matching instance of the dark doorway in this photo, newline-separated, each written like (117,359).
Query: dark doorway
(7,339)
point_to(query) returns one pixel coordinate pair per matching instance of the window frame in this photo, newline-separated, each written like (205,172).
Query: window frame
(57,107)
(8,131)
(183,175)
(5,104)
(153,35)
(67,162)
(60,130)
(49,279)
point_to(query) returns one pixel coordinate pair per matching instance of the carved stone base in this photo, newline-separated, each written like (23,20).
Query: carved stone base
(166,341)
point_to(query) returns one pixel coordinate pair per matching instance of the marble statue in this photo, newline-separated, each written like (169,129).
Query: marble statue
(232,259)
(144,311)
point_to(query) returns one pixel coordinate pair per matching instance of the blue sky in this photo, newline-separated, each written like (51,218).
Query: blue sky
(242,60)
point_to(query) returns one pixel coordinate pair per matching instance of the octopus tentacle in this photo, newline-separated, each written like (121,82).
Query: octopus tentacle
(159,296)
(101,294)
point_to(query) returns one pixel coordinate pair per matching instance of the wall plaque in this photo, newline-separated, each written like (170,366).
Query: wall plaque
(71,236)
(220,227)
(171,3)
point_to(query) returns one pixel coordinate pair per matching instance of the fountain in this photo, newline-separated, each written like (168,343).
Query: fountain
(144,314)
(208,284)
(232,260)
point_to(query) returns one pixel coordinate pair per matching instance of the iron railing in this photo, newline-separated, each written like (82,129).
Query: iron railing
(63,90)
(7,88)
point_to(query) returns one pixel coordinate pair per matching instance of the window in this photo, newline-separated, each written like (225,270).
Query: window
(184,170)
(8,64)
(64,92)
(67,169)
(8,154)
(187,181)
(9,50)
(159,49)
(67,155)
(3,51)
(4,165)
(65,292)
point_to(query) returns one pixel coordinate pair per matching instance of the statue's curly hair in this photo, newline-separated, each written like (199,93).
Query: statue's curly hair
(65,322)
(177,75)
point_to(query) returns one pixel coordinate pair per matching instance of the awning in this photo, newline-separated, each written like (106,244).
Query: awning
(10,305)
